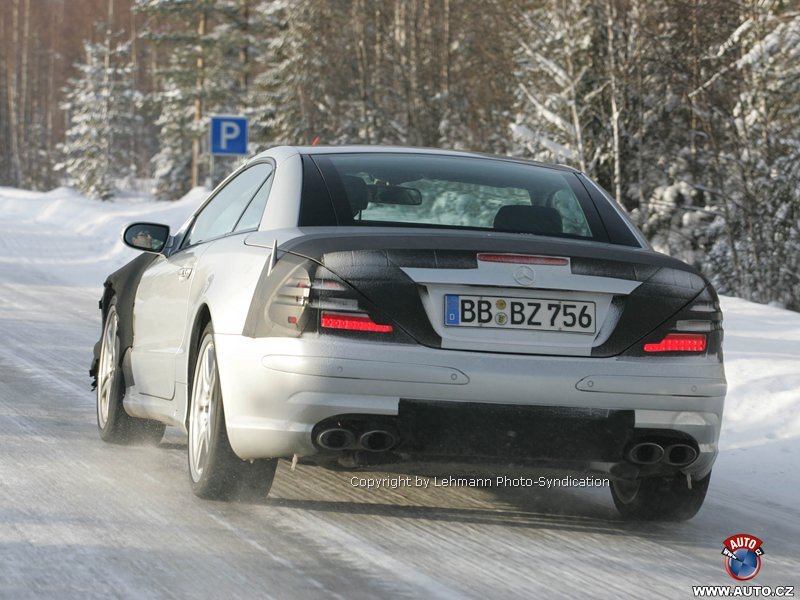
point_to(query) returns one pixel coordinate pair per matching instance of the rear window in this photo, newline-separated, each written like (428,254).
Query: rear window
(428,190)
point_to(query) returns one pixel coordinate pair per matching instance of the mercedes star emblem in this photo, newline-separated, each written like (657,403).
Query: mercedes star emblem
(524,275)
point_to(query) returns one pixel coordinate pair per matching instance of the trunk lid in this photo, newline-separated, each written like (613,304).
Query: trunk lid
(418,276)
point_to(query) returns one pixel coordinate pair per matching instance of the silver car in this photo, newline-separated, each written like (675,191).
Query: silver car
(415,310)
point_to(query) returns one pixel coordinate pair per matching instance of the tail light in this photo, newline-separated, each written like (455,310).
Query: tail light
(679,342)
(352,322)
(697,328)
(302,297)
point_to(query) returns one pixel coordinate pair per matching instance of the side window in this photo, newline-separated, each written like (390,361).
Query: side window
(251,218)
(221,214)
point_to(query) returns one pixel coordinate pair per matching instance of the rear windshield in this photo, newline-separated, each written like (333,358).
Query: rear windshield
(425,190)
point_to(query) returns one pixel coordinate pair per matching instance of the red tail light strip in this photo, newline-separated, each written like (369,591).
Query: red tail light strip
(524,259)
(679,342)
(353,323)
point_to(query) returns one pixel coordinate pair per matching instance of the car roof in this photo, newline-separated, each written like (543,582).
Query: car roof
(286,151)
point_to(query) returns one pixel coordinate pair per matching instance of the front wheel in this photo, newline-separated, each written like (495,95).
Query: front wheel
(113,423)
(660,498)
(215,471)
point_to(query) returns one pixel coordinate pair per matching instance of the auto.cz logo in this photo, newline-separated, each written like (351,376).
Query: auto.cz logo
(743,554)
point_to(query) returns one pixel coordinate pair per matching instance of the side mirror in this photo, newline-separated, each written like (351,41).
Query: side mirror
(150,237)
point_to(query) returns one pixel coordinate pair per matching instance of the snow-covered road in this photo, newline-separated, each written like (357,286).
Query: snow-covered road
(80,518)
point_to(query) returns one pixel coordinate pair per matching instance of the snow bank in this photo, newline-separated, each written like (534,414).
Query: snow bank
(83,242)
(760,439)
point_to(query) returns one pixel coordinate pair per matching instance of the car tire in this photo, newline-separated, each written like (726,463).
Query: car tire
(659,498)
(215,472)
(113,423)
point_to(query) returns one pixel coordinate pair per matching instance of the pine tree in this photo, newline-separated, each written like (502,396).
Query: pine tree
(208,69)
(293,100)
(172,165)
(101,106)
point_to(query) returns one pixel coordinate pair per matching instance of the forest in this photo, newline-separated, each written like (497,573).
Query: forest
(686,111)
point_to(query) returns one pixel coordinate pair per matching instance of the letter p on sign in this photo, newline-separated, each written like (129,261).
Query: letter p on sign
(228,135)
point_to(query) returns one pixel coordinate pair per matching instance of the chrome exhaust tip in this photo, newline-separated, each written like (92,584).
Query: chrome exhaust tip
(377,440)
(646,453)
(335,438)
(680,455)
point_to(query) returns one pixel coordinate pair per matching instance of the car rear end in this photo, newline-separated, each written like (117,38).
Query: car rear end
(459,312)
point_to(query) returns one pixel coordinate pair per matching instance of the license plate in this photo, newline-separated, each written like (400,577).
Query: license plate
(519,313)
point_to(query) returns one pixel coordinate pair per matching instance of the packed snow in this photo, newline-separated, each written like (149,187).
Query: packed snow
(760,442)
(85,234)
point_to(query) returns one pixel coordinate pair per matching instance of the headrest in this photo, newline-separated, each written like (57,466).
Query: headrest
(357,194)
(528,219)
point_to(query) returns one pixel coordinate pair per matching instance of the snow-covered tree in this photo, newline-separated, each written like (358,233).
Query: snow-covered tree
(294,98)
(172,165)
(285,99)
(755,157)
(213,51)
(384,72)
(558,92)
(100,103)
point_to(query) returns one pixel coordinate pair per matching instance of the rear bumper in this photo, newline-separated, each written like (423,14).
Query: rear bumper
(276,390)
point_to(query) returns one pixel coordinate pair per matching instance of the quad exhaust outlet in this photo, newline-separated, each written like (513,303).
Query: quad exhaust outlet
(652,453)
(680,455)
(377,440)
(341,438)
(335,438)
(646,453)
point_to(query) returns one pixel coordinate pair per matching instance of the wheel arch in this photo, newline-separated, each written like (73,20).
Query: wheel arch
(121,284)
(201,320)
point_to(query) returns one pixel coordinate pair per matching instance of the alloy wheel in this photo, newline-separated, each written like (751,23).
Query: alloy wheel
(205,403)
(107,369)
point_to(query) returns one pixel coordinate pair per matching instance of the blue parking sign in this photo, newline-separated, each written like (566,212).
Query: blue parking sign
(228,135)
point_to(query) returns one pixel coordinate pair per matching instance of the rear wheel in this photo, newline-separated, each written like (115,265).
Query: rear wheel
(215,471)
(659,498)
(113,423)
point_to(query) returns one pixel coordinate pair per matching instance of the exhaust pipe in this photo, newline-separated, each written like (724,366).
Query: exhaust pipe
(646,453)
(377,440)
(335,438)
(680,455)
